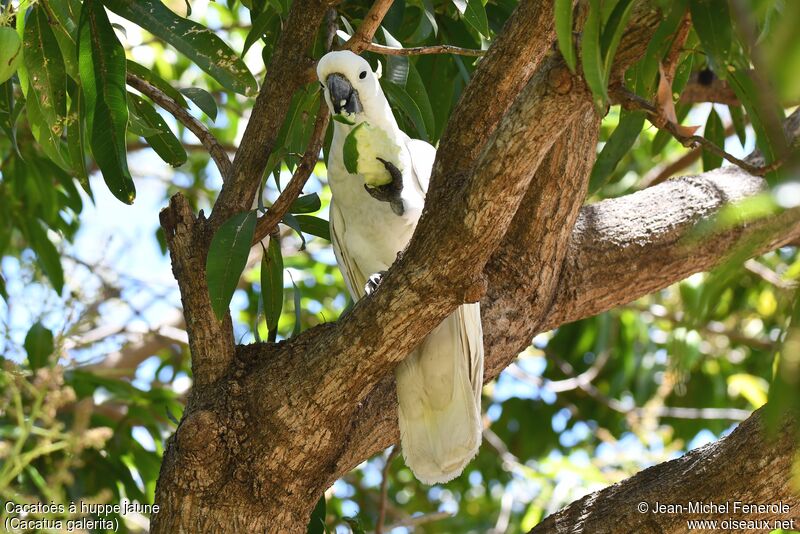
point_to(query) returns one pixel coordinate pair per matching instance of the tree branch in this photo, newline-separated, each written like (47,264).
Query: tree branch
(750,466)
(362,39)
(704,86)
(630,100)
(206,138)
(286,74)
(423,50)
(620,250)
(269,221)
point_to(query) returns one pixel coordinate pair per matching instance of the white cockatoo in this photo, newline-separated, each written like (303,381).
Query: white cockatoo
(374,211)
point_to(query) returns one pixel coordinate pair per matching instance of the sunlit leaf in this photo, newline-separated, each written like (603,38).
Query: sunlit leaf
(102,69)
(195,41)
(563,12)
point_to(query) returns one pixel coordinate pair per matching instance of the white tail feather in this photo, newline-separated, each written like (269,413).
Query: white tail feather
(438,389)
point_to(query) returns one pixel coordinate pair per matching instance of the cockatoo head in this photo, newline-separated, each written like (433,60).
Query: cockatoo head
(350,85)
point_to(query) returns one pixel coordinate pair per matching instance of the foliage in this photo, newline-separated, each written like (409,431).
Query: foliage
(72,430)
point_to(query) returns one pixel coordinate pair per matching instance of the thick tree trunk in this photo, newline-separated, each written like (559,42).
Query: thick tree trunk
(268,427)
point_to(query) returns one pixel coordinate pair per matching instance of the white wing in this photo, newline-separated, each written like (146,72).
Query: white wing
(353,277)
(422,156)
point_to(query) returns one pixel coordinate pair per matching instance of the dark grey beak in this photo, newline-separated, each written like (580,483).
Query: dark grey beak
(343,96)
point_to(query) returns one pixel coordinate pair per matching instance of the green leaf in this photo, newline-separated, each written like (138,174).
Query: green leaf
(298,325)
(660,44)
(306,204)
(76,136)
(203,100)
(316,525)
(396,66)
(612,34)
(314,226)
(136,123)
(343,120)
(101,61)
(354,524)
(227,257)
(150,75)
(163,142)
(563,11)
(737,117)
(591,56)
(770,143)
(350,150)
(46,254)
(201,45)
(9,112)
(292,222)
(430,15)
(714,132)
(39,345)
(712,22)
(272,285)
(417,91)
(399,98)
(259,29)
(475,15)
(65,28)
(619,143)
(46,90)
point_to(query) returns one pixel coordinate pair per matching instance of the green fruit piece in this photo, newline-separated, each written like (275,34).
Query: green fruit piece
(10,53)
(364,148)
(350,150)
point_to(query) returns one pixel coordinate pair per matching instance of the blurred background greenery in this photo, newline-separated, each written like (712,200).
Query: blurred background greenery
(95,374)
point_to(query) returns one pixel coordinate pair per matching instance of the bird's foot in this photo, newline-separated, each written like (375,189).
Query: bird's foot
(389,192)
(373,282)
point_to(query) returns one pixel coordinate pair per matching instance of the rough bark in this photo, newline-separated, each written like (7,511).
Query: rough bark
(750,466)
(269,426)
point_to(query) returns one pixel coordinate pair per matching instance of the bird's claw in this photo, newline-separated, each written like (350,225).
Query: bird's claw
(373,282)
(389,192)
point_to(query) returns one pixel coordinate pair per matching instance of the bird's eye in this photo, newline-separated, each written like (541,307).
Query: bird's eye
(363,74)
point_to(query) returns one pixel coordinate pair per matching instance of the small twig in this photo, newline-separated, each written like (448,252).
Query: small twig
(385,489)
(269,221)
(662,173)
(675,412)
(214,147)
(769,276)
(423,50)
(674,54)
(372,21)
(633,101)
(419,520)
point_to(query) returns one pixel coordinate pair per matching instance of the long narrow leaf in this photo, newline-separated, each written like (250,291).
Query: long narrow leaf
(272,285)
(591,56)
(563,11)
(712,22)
(101,62)
(46,89)
(164,142)
(619,143)
(193,40)
(227,257)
